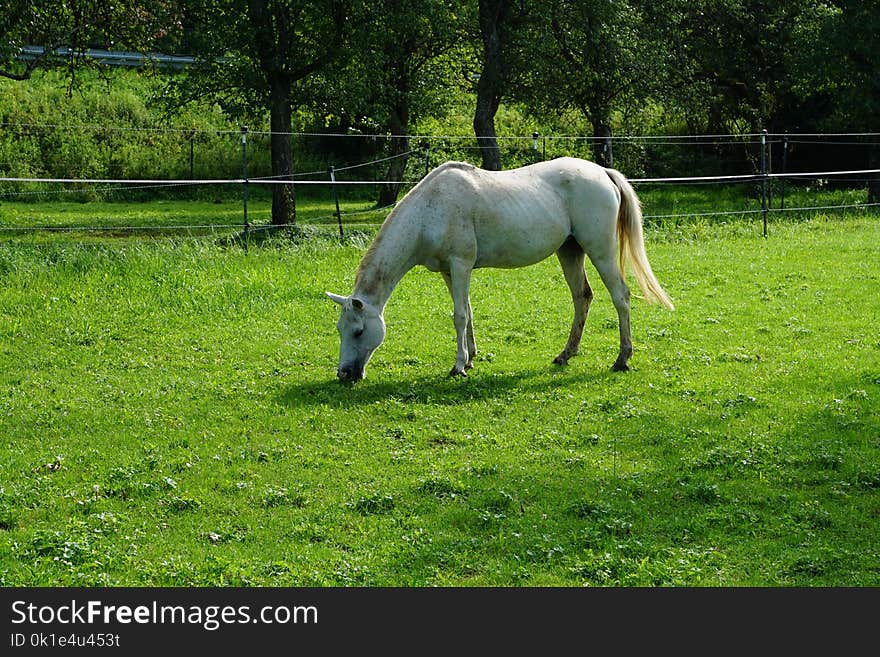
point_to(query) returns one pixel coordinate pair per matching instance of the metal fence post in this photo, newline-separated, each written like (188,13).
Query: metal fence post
(192,159)
(426,145)
(764,178)
(336,200)
(784,170)
(535,146)
(244,185)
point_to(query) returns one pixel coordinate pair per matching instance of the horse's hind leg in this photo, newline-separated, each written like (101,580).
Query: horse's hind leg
(471,340)
(614,281)
(571,257)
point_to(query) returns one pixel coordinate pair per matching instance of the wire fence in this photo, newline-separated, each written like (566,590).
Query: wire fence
(355,166)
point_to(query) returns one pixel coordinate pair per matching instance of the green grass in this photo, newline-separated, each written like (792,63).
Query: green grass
(193,217)
(672,207)
(169,415)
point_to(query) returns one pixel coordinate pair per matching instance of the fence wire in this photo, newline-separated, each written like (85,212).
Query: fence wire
(535,148)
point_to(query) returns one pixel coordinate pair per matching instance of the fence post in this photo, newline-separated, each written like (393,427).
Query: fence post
(244,186)
(535,146)
(192,138)
(426,145)
(784,170)
(336,200)
(764,178)
(769,170)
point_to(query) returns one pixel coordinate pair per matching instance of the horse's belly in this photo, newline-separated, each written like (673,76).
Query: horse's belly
(519,247)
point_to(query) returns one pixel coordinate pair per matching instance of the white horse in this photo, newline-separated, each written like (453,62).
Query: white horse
(460,217)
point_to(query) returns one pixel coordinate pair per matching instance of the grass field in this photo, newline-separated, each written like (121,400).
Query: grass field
(169,415)
(665,205)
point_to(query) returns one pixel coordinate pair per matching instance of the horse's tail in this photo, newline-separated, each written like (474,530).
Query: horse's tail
(631,242)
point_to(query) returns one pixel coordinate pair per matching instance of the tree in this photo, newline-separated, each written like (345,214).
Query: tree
(494,22)
(596,57)
(399,74)
(743,63)
(408,37)
(854,70)
(66,30)
(251,53)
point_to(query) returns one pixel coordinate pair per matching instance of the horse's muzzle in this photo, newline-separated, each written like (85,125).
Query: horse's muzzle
(349,373)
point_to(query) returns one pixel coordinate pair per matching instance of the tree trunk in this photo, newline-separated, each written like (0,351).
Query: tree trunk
(489,85)
(283,196)
(399,124)
(484,123)
(602,152)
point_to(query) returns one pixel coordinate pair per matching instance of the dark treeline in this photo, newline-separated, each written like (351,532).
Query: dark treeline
(354,67)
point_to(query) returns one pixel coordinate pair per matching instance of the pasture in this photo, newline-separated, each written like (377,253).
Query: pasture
(170,416)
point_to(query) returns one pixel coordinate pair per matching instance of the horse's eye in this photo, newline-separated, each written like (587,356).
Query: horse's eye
(358,333)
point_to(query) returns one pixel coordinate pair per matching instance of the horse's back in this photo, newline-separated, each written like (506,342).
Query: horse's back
(564,185)
(514,217)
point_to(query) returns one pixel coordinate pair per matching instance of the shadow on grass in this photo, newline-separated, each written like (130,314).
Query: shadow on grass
(440,389)
(268,236)
(693,504)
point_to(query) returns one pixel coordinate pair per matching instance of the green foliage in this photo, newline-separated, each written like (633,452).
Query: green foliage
(595,57)
(73,28)
(851,30)
(399,69)
(730,66)
(110,127)
(583,70)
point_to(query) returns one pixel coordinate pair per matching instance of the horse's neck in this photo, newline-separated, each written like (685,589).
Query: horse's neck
(391,256)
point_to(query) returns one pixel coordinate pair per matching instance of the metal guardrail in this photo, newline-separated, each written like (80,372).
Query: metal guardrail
(111,57)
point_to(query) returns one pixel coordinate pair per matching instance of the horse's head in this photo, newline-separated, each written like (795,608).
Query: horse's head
(361,331)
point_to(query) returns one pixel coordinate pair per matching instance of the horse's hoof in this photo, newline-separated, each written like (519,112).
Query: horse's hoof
(620,367)
(469,366)
(457,372)
(559,360)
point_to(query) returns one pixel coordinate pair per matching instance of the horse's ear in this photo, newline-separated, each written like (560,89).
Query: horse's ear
(357,304)
(338,299)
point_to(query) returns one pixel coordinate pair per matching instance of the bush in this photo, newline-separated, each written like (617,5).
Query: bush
(112,127)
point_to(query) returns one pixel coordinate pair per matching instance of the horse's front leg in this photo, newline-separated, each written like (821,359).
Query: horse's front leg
(471,340)
(458,280)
